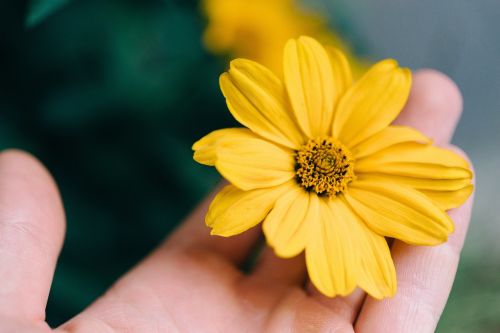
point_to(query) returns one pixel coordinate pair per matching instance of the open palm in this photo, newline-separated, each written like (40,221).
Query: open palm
(192,282)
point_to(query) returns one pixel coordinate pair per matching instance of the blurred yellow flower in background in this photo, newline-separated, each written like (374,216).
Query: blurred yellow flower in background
(258,30)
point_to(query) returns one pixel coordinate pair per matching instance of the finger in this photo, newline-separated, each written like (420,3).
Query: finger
(434,107)
(425,274)
(425,277)
(177,288)
(169,292)
(346,307)
(279,271)
(31,234)
(194,234)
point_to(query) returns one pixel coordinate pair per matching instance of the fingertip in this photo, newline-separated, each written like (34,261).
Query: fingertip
(462,153)
(32,229)
(23,176)
(23,161)
(438,86)
(434,106)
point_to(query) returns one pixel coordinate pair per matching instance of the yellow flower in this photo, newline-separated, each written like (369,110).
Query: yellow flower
(258,30)
(321,165)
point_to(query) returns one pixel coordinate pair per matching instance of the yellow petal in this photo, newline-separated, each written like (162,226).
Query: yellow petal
(287,227)
(233,211)
(415,160)
(257,99)
(431,184)
(445,193)
(376,273)
(205,148)
(250,163)
(388,137)
(419,170)
(372,103)
(418,153)
(342,75)
(309,82)
(449,199)
(400,212)
(331,257)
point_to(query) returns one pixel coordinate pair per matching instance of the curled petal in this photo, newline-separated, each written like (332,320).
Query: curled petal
(372,103)
(257,99)
(449,199)
(377,275)
(416,160)
(331,257)
(347,253)
(310,85)
(205,149)
(342,75)
(250,163)
(386,138)
(287,227)
(233,211)
(399,212)
(445,193)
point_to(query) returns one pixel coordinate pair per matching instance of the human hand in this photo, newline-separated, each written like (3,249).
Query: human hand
(192,282)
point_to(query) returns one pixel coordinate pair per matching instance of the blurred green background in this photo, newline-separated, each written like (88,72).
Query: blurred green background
(110,95)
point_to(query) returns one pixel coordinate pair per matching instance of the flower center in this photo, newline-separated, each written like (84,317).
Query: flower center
(325,166)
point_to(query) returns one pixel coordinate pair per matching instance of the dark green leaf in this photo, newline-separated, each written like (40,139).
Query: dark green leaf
(38,10)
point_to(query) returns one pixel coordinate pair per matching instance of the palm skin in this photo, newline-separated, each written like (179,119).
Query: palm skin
(192,282)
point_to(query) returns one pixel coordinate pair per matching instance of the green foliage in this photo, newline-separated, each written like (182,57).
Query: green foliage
(110,95)
(39,9)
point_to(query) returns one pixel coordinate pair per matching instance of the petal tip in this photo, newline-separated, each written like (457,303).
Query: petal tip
(386,64)
(224,79)
(307,39)
(219,233)
(239,63)
(389,292)
(290,46)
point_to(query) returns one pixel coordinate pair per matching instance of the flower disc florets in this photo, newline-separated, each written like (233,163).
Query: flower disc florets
(325,166)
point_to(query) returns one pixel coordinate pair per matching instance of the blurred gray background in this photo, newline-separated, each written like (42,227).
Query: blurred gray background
(462,39)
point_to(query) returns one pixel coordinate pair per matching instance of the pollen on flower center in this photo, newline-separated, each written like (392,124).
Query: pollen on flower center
(325,166)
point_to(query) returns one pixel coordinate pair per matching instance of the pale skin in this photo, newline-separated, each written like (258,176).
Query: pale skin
(192,282)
